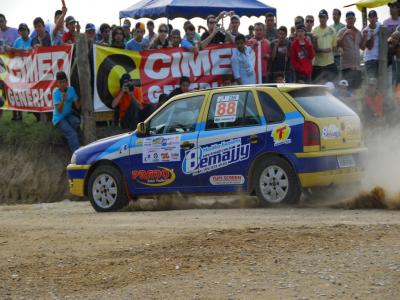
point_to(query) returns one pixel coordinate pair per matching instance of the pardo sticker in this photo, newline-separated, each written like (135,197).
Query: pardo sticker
(330,132)
(281,135)
(226,179)
(226,108)
(155,177)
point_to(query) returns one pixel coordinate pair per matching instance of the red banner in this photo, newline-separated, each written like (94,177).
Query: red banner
(27,78)
(160,70)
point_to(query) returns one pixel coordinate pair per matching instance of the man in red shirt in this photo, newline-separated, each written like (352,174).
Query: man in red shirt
(301,55)
(74,28)
(259,39)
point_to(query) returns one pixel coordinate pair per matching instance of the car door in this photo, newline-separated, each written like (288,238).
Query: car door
(156,159)
(233,134)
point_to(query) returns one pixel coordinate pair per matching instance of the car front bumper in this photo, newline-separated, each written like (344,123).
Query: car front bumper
(76,178)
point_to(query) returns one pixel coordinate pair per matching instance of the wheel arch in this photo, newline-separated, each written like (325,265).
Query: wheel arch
(98,163)
(250,175)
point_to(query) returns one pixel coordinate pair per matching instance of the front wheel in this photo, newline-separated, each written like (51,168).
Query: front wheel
(106,189)
(276,182)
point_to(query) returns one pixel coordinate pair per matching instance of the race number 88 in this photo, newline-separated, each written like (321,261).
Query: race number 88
(226,108)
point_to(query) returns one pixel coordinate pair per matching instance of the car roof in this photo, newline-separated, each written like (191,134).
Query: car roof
(283,87)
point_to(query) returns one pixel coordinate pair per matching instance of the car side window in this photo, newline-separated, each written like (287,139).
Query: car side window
(178,117)
(234,109)
(272,112)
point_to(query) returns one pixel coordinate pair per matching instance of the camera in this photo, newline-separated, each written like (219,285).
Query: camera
(130,85)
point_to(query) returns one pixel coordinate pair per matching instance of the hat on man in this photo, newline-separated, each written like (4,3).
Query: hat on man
(330,85)
(343,83)
(301,26)
(90,26)
(350,14)
(23,26)
(124,79)
(235,17)
(322,13)
(372,13)
(69,20)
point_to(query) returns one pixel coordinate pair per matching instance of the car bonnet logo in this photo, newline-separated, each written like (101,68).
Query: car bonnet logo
(281,135)
(208,158)
(156,177)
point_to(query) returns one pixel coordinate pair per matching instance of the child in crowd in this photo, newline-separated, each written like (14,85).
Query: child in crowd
(301,55)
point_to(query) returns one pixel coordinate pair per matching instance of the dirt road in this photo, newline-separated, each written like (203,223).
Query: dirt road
(66,250)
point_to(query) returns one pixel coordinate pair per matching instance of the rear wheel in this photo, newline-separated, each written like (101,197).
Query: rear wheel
(276,182)
(106,189)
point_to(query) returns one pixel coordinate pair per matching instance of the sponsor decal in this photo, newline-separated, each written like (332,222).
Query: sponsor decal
(226,108)
(330,132)
(208,158)
(124,149)
(281,135)
(155,177)
(226,179)
(162,149)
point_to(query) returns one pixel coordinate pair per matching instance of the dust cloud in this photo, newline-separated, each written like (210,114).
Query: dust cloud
(178,201)
(380,188)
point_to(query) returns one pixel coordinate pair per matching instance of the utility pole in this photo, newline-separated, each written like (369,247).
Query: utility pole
(383,60)
(86,97)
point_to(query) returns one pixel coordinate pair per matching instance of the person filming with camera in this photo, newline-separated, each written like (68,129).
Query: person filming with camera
(130,104)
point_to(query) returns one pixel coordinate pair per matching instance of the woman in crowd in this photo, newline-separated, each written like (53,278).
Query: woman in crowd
(117,38)
(161,41)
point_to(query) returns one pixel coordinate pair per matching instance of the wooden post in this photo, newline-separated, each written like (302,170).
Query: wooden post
(88,117)
(364,17)
(383,60)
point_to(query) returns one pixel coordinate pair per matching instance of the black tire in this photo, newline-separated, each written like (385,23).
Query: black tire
(106,189)
(289,193)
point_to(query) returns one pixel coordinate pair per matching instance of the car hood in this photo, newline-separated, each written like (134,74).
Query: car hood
(88,154)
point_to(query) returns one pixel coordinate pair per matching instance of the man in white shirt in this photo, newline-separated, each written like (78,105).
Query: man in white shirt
(242,62)
(370,45)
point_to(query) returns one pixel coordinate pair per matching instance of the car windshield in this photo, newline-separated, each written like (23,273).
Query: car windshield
(318,102)
(178,117)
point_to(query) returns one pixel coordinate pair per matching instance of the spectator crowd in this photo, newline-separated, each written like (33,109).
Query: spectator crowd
(320,50)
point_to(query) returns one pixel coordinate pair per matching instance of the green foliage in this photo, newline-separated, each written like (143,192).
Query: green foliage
(27,132)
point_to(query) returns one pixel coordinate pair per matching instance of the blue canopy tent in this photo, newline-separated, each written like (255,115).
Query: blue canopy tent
(171,9)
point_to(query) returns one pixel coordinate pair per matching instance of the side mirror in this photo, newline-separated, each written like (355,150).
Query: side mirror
(141,129)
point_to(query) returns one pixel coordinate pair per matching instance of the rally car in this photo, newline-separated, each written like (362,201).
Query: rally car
(269,140)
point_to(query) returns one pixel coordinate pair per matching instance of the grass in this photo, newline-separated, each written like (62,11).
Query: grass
(30,132)
(27,132)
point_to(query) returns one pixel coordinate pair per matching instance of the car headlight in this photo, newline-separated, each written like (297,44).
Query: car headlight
(73,159)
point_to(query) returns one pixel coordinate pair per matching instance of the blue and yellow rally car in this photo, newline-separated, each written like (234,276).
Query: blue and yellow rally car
(271,140)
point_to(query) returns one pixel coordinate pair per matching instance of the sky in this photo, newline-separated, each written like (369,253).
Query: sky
(100,11)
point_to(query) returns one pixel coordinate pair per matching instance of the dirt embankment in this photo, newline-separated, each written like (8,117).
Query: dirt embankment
(33,174)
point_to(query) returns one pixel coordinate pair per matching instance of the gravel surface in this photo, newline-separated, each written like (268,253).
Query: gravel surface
(66,250)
